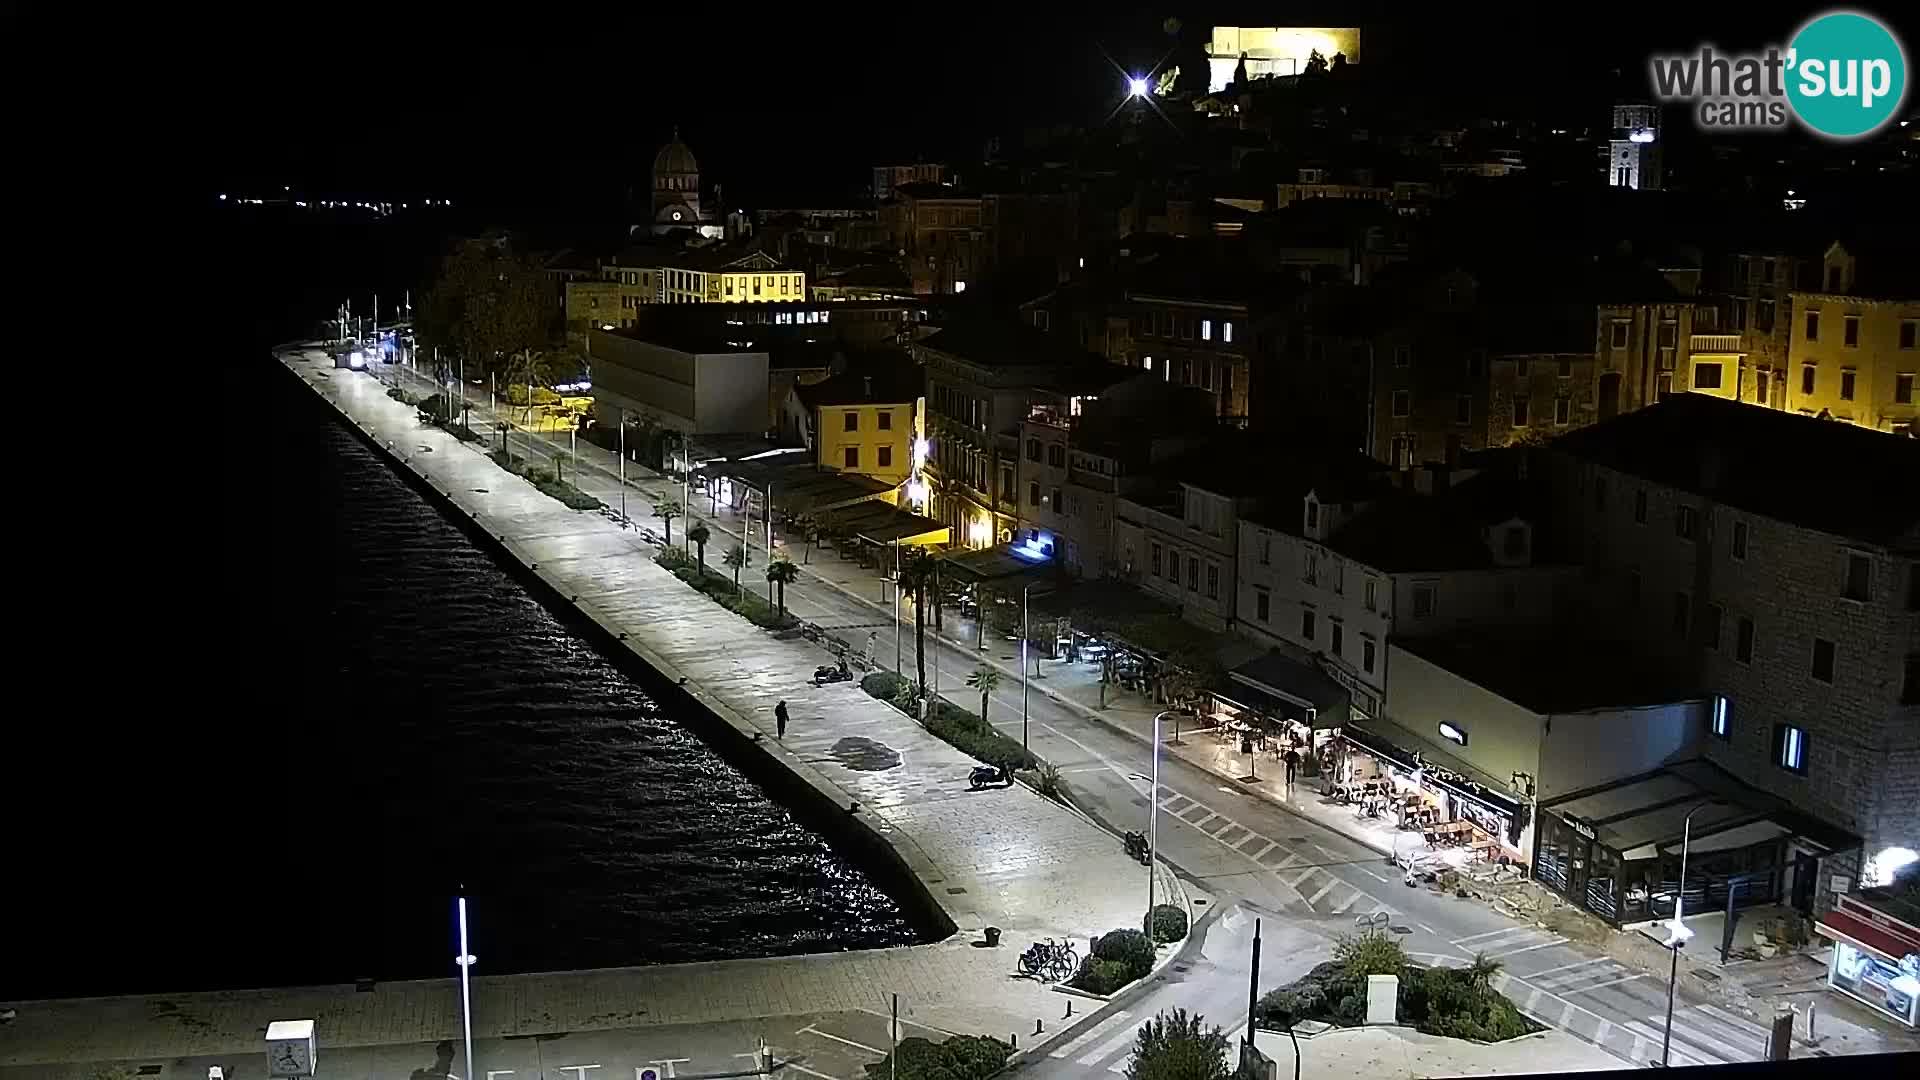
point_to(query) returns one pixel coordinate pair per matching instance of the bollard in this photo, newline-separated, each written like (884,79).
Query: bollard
(1069,1009)
(1015,1037)
(1812,1039)
(1037,1027)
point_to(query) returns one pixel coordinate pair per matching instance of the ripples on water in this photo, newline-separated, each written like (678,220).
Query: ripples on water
(460,733)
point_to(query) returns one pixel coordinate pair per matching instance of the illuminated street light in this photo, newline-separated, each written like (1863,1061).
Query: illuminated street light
(1136,86)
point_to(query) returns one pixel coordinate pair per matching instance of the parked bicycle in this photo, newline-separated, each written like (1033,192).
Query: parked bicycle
(1049,961)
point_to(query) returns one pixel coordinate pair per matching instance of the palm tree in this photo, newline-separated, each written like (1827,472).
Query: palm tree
(986,680)
(1483,969)
(529,367)
(781,571)
(735,557)
(807,528)
(919,574)
(700,534)
(666,509)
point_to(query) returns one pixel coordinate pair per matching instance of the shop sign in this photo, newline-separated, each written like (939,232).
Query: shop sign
(1453,733)
(1580,827)
(1486,819)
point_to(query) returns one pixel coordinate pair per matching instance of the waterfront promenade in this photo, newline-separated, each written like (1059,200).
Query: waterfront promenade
(1006,857)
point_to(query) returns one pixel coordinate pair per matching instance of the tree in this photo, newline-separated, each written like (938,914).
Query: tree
(735,557)
(780,572)
(666,509)
(1483,969)
(486,302)
(1178,1045)
(807,528)
(700,534)
(986,680)
(531,368)
(919,575)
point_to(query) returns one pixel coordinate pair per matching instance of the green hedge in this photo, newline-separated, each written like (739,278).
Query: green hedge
(952,724)
(960,1057)
(546,480)
(1438,1001)
(1103,977)
(719,588)
(1129,947)
(1168,923)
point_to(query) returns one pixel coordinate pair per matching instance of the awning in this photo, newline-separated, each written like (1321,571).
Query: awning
(1437,768)
(1753,832)
(1850,928)
(1000,567)
(1305,687)
(799,486)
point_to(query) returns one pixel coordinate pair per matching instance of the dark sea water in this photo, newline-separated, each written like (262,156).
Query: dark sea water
(376,713)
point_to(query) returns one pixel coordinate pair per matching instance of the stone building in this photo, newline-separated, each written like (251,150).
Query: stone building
(1770,560)
(1854,347)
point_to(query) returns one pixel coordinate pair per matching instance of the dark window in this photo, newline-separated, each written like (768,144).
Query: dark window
(1033,494)
(1909,331)
(1833,279)
(886,455)
(1193,575)
(1306,624)
(1813,326)
(1790,748)
(1313,514)
(851,455)
(1520,411)
(1850,331)
(1710,628)
(1402,403)
(886,419)
(1422,601)
(1213,582)
(852,421)
(1640,507)
(1669,334)
(1823,660)
(1706,376)
(1846,386)
(1903,389)
(1562,410)
(1173,567)
(1806,379)
(1685,522)
(1055,496)
(1600,493)
(1366,655)
(1743,641)
(1155,560)
(1463,407)
(1402,355)
(1682,607)
(1339,638)
(1033,449)
(1262,604)
(1521,366)
(1566,367)
(1739,539)
(1057,456)
(1859,583)
(1619,339)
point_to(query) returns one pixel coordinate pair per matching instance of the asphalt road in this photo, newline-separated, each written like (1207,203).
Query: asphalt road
(1242,849)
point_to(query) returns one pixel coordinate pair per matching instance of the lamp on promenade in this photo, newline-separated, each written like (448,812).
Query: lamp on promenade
(1024,589)
(1677,932)
(465,960)
(1153,821)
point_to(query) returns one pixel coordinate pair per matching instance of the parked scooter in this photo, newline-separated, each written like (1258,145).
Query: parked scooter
(988,776)
(832,673)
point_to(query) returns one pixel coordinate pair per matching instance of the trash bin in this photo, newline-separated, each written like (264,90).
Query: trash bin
(993,936)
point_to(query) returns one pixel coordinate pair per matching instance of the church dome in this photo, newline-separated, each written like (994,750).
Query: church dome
(673,158)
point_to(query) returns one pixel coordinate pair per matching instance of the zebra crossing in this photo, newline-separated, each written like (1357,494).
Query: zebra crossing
(1320,891)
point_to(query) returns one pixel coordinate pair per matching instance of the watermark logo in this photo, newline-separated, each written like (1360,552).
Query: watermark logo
(1842,76)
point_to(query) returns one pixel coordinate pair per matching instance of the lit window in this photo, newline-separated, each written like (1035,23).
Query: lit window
(1226,334)
(1721,725)
(1206,329)
(1790,748)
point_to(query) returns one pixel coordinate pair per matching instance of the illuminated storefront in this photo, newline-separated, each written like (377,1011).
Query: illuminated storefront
(1876,954)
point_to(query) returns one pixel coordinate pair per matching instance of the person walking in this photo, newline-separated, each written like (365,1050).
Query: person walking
(780,719)
(1293,766)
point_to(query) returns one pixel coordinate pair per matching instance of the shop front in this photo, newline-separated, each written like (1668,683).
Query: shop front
(1616,850)
(1273,705)
(1876,956)
(1415,789)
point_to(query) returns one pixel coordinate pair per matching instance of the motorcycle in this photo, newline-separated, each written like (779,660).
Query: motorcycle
(831,673)
(988,776)
(1138,849)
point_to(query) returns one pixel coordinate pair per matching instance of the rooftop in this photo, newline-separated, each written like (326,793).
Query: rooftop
(1548,673)
(1825,475)
(682,337)
(928,190)
(893,379)
(1003,343)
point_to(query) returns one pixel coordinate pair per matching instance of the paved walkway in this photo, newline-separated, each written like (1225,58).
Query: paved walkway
(1006,857)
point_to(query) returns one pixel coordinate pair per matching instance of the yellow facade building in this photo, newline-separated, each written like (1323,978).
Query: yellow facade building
(608,303)
(1854,355)
(729,278)
(864,422)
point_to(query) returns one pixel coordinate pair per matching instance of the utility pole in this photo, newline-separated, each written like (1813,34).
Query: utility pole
(1253,981)
(1024,635)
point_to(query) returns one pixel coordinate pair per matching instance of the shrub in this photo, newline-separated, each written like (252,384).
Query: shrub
(1046,780)
(1129,947)
(1168,923)
(1361,955)
(951,724)
(961,1057)
(719,589)
(673,559)
(1176,1045)
(1103,977)
(884,685)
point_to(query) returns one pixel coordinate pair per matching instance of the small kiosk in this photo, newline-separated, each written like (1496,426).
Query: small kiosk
(1876,952)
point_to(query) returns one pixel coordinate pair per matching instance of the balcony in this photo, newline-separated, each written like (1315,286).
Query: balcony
(1713,343)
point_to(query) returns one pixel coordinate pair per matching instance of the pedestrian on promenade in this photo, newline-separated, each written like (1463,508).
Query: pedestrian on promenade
(1293,765)
(780,719)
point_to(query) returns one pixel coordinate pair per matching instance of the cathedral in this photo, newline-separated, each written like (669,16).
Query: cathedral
(676,193)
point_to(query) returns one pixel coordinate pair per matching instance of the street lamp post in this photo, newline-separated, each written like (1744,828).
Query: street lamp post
(623,467)
(1153,819)
(1678,932)
(466,961)
(1024,635)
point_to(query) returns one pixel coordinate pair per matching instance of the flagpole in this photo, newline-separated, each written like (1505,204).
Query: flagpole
(466,960)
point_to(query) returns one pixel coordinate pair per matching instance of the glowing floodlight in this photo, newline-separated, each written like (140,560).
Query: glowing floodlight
(1136,87)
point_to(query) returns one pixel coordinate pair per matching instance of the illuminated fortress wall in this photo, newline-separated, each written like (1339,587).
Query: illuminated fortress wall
(1275,50)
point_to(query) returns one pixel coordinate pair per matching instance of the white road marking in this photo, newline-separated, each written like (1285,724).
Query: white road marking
(1569,967)
(1530,948)
(1682,1055)
(1104,1050)
(1566,1017)
(811,1030)
(1609,982)
(1324,890)
(810,1072)
(1256,856)
(1489,934)
(1737,1022)
(1341,907)
(1302,876)
(1091,1034)
(1286,862)
(1601,1032)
